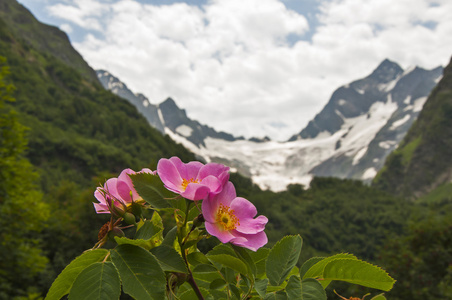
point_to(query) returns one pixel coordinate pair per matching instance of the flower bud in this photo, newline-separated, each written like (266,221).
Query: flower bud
(115,232)
(129,218)
(198,221)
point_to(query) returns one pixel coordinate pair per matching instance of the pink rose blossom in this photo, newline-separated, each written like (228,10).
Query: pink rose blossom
(231,219)
(193,180)
(117,193)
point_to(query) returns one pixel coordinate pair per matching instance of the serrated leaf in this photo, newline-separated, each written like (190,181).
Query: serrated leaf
(279,295)
(99,281)
(217,284)
(141,274)
(204,268)
(146,244)
(244,255)
(261,286)
(282,258)
(169,259)
(170,237)
(308,264)
(293,288)
(190,294)
(151,189)
(260,257)
(62,285)
(196,258)
(316,270)
(358,272)
(230,262)
(150,228)
(312,290)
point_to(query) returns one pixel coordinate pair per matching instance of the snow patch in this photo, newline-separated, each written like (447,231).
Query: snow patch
(184,130)
(407,100)
(359,155)
(360,91)
(419,104)
(159,113)
(400,122)
(145,103)
(369,174)
(341,102)
(386,144)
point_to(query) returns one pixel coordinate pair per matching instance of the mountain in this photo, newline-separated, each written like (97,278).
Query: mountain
(423,160)
(166,117)
(48,40)
(377,111)
(351,137)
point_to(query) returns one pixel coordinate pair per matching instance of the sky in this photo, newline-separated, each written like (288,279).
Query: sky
(251,68)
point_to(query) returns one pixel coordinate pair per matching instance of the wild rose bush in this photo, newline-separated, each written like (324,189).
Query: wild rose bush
(134,257)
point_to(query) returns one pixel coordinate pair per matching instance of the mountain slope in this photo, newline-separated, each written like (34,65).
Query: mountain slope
(44,38)
(423,162)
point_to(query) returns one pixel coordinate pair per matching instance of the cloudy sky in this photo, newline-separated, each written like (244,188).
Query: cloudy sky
(250,67)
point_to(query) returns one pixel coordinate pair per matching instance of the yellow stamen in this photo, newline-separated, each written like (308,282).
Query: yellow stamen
(227,218)
(185,182)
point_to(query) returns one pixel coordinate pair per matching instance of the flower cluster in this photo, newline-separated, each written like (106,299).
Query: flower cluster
(230,218)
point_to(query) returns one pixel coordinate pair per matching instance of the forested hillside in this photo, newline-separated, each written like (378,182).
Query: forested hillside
(78,135)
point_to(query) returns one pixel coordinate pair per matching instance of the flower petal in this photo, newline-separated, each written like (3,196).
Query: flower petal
(213,184)
(223,235)
(195,191)
(101,208)
(253,241)
(227,194)
(169,175)
(245,211)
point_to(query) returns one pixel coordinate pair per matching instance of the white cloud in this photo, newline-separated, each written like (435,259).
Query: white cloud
(230,66)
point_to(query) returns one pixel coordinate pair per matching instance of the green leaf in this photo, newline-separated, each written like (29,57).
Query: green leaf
(312,290)
(279,295)
(169,259)
(358,272)
(261,286)
(260,258)
(150,228)
(308,264)
(217,284)
(196,258)
(146,244)
(190,294)
(282,258)
(204,268)
(141,274)
(230,262)
(379,297)
(96,282)
(293,288)
(151,189)
(170,237)
(62,285)
(316,270)
(244,256)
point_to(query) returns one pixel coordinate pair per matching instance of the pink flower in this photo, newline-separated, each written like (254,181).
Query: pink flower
(193,180)
(117,193)
(231,219)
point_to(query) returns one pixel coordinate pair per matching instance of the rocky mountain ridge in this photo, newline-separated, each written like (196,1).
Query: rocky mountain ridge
(360,125)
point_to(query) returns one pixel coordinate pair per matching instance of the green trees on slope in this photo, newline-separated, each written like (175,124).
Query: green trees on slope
(23,213)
